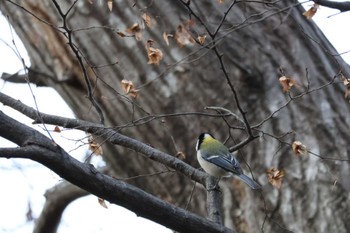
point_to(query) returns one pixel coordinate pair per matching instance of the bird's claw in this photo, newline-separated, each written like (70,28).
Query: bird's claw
(214,188)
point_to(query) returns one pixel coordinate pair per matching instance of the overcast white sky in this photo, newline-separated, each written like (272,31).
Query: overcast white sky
(19,178)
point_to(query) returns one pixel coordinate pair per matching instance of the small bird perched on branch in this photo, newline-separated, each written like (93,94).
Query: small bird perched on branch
(216,159)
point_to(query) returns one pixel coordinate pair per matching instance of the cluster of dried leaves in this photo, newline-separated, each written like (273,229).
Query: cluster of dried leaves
(182,37)
(274,175)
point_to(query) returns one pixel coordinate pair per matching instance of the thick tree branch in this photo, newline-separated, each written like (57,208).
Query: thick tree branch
(214,202)
(44,151)
(110,135)
(342,6)
(116,138)
(255,39)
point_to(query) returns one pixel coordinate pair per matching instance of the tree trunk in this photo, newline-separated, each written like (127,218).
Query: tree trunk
(259,42)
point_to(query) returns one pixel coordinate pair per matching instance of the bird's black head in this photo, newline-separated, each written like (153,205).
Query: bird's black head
(201,138)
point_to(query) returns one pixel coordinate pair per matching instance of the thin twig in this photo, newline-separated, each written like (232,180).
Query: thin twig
(68,35)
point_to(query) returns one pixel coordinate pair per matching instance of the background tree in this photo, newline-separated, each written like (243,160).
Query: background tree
(220,72)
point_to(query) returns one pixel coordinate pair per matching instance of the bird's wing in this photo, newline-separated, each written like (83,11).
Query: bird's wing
(225,160)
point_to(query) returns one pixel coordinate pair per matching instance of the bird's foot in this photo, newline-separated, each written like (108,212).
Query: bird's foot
(214,188)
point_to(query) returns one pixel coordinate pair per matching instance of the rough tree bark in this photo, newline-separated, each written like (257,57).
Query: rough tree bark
(256,40)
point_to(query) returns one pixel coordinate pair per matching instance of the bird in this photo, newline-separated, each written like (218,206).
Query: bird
(216,160)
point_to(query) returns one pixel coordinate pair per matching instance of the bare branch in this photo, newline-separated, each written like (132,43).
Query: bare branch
(219,55)
(80,61)
(86,176)
(110,134)
(225,110)
(342,6)
(214,201)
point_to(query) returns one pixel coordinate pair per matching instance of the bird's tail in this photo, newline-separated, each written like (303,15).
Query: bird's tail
(249,182)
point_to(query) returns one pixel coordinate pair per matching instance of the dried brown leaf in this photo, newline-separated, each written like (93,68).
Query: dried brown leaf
(181,155)
(57,129)
(287,83)
(275,176)
(311,12)
(135,30)
(133,93)
(154,54)
(102,203)
(121,34)
(129,88)
(347,91)
(166,37)
(201,39)
(346,83)
(127,85)
(147,20)
(299,148)
(110,5)
(183,37)
(95,147)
